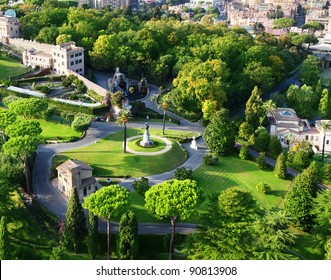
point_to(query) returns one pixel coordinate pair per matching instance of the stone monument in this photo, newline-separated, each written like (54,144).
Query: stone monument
(194,144)
(146,142)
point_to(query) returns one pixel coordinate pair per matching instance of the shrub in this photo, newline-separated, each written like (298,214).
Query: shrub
(81,122)
(141,186)
(263,188)
(210,159)
(80,86)
(66,83)
(183,173)
(9,99)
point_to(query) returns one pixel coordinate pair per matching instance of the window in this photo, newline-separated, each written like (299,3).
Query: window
(80,61)
(62,56)
(89,188)
(85,192)
(307,137)
(76,61)
(62,63)
(58,55)
(311,138)
(327,142)
(71,63)
(316,138)
(71,56)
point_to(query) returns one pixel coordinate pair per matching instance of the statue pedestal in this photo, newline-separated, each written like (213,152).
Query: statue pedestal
(146,142)
(194,145)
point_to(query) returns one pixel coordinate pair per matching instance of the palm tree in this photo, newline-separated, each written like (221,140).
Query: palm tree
(267,106)
(326,126)
(124,116)
(289,139)
(165,102)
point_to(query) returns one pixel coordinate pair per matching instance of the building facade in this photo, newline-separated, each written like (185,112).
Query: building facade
(75,173)
(9,27)
(289,128)
(35,58)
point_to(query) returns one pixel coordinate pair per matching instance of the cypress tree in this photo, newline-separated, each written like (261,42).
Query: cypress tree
(261,161)
(280,167)
(274,147)
(243,154)
(4,240)
(75,224)
(324,107)
(254,110)
(92,238)
(127,246)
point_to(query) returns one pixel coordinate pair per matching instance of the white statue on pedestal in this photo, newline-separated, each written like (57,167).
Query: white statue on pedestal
(194,144)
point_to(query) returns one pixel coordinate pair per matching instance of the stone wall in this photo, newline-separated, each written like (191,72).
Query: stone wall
(22,44)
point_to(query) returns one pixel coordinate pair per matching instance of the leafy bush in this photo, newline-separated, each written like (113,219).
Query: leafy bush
(9,99)
(261,161)
(141,186)
(66,83)
(81,122)
(183,173)
(263,188)
(42,88)
(94,95)
(243,154)
(210,159)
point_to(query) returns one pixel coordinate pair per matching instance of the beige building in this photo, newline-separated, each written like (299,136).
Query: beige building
(75,173)
(34,58)
(289,128)
(68,56)
(9,27)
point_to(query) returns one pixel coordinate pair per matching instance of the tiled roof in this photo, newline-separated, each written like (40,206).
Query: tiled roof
(71,164)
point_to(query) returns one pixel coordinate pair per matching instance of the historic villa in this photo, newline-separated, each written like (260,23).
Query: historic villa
(290,128)
(75,173)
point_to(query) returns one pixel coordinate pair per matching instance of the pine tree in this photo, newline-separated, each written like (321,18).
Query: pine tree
(261,161)
(4,240)
(324,107)
(92,238)
(274,147)
(127,247)
(75,224)
(243,154)
(280,167)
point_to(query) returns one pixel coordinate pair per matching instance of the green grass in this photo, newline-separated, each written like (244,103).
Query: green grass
(108,159)
(57,131)
(158,145)
(10,67)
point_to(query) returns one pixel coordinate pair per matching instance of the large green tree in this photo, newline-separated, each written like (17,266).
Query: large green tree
(254,109)
(92,236)
(108,202)
(280,167)
(173,199)
(220,133)
(29,108)
(4,240)
(310,71)
(324,107)
(75,224)
(127,243)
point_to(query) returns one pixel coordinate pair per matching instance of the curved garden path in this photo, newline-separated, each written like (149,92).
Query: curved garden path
(57,203)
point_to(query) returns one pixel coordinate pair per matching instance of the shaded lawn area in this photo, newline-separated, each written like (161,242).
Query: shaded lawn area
(10,67)
(108,159)
(158,145)
(57,131)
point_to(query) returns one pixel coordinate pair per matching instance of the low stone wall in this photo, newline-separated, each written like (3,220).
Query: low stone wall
(90,85)
(22,44)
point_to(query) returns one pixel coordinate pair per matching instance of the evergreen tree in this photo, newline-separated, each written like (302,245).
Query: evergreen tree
(274,147)
(4,240)
(127,247)
(92,237)
(324,107)
(261,161)
(254,109)
(243,154)
(280,167)
(75,224)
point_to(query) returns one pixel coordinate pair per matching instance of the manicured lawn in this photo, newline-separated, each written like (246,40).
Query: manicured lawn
(232,171)
(11,67)
(57,131)
(108,160)
(158,145)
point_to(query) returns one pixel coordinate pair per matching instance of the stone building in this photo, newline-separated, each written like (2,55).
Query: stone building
(75,173)
(9,27)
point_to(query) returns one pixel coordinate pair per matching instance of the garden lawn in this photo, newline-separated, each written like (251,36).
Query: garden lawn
(10,67)
(108,159)
(57,131)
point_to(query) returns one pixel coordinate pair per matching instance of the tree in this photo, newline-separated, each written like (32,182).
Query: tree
(243,154)
(182,173)
(254,110)
(6,118)
(4,240)
(75,224)
(108,202)
(301,153)
(322,227)
(81,122)
(284,23)
(299,201)
(58,253)
(124,116)
(310,71)
(23,147)
(219,133)
(127,245)
(174,200)
(273,237)
(165,102)
(141,186)
(280,167)
(325,126)
(245,130)
(21,128)
(259,76)
(92,236)
(312,27)
(262,138)
(209,107)
(226,231)
(117,99)
(274,147)
(261,161)
(29,108)
(324,107)
(267,106)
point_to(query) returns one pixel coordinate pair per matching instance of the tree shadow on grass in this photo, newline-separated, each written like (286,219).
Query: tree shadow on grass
(280,193)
